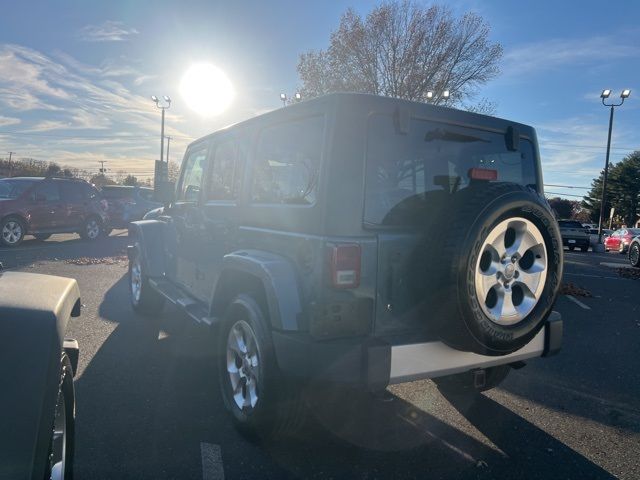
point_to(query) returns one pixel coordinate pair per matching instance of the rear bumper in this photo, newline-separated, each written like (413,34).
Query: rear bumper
(375,364)
(576,242)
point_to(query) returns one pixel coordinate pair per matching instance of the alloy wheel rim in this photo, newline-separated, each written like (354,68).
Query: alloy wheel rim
(93,229)
(58,454)
(511,271)
(634,255)
(243,365)
(136,280)
(11,232)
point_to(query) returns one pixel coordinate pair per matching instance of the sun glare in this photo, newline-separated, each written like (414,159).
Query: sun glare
(206,89)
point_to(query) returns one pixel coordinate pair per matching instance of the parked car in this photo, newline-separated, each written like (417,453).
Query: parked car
(309,240)
(620,239)
(38,398)
(593,235)
(42,206)
(634,252)
(153,214)
(128,203)
(574,235)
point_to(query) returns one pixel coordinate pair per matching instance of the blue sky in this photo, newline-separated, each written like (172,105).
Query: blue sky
(76,76)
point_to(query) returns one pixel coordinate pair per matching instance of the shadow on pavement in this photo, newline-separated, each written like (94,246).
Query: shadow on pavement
(63,247)
(144,405)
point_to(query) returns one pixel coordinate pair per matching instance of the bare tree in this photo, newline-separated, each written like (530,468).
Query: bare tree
(404,50)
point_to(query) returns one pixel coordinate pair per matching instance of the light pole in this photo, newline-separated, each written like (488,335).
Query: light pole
(163,108)
(168,144)
(604,95)
(283,98)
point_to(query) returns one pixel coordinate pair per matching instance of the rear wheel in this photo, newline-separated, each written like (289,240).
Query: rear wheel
(262,402)
(584,249)
(12,231)
(571,248)
(144,299)
(634,255)
(41,237)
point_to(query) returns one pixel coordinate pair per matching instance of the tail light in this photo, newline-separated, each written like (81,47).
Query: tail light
(344,261)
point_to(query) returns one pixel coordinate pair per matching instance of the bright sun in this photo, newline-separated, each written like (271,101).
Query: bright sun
(206,89)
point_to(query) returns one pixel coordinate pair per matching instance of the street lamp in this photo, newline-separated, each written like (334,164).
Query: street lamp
(283,97)
(163,108)
(446,94)
(604,95)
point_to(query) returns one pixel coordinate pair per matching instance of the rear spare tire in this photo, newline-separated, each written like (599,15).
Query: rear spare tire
(493,282)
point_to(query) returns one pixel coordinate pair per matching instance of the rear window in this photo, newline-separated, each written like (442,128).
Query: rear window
(415,172)
(569,224)
(634,231)
(10,188)
(117,192)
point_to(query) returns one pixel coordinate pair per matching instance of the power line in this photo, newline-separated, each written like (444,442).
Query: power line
(564,194)
(566,186)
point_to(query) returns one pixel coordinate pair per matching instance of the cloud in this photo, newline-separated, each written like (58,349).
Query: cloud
(66,106)
(5,121)
(561,52)
(109,31)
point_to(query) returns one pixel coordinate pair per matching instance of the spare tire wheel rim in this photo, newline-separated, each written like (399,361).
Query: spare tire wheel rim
(511,271)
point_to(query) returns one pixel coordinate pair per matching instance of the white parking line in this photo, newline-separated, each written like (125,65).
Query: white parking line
(212,467)
(614,264)
(578,302)
(593,276)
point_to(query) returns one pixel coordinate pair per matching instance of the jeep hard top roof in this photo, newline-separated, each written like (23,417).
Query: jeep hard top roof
(367,103)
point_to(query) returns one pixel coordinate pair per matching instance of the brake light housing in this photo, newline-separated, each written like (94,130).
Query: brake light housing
(344,265)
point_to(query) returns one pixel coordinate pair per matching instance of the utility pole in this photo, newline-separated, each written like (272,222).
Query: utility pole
(167,104)
(102,169)
(11,164)
(168,143)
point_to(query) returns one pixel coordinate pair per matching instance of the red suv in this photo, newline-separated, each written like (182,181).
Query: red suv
(41,206)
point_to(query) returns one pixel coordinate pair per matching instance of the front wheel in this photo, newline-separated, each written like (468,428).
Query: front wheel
(144,299)
(91,229)
(634,255)
(571,248)
(584,249)
(263,403)
(61,444)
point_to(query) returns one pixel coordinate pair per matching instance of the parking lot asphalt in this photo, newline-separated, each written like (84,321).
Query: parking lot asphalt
(148,405)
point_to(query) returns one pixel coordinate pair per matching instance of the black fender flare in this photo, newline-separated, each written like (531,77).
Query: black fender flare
(149,237)
(277,276)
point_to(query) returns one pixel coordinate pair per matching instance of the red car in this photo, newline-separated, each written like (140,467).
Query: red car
(42,206)
(620,239)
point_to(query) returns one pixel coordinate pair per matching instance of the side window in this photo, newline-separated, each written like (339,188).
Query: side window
(192,172)
(222,185)
(287,162)
(72,192)
(46,192)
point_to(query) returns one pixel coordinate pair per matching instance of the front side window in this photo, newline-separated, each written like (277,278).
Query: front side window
(223,171)
(73,192)
(192,173)
(287,162)
(410,174)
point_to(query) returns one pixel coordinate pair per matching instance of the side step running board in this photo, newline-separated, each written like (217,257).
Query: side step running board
(193,308)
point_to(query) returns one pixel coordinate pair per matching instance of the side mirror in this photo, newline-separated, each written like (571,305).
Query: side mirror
(165,192)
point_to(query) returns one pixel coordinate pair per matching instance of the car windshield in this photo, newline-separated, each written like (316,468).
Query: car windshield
(569,224)
(13,188)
